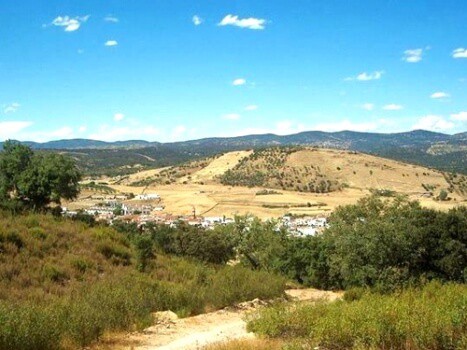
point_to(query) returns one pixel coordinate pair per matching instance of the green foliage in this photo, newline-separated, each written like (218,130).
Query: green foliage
(144,251)
(382,244)
(63,283)
(249,179)
(443,195)
(237,283)
(433,317)
(212,246)
(35,179)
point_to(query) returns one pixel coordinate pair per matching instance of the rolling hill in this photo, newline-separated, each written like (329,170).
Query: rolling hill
(309,170)
(437,150)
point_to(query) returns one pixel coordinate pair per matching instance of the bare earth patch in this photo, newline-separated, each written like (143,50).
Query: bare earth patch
(171,333)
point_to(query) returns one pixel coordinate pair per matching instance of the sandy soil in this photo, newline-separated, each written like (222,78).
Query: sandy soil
(196,332)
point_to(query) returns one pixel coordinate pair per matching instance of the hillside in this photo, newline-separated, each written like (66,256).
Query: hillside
(64,283)
(272,182)
(305,169)
(442,151)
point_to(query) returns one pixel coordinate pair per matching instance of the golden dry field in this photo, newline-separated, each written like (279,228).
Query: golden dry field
(196,186)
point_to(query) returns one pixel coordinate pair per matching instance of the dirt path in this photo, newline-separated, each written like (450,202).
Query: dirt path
(196,332)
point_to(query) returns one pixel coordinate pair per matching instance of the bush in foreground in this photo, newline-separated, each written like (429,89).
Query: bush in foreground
(433,317)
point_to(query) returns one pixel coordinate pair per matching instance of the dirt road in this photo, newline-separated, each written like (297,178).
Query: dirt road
(196,332)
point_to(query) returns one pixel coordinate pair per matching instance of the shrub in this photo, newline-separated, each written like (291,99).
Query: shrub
(433,317)
(235,284)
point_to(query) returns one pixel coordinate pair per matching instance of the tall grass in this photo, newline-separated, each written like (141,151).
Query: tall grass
(434,317)
(64,284)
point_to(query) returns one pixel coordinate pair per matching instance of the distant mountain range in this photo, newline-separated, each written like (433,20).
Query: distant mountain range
(442,151)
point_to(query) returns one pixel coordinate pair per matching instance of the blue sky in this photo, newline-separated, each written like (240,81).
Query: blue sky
(168,70)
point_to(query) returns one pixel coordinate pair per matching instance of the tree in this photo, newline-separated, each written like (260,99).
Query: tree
(443,195)
(36,180)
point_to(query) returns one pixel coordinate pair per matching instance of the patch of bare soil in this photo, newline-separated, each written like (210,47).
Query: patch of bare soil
(171,333)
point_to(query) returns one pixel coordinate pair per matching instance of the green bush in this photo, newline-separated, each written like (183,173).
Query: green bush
(236,284)
(433,317)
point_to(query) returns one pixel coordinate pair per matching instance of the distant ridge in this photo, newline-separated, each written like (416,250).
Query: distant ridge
(438,150)
(340,138)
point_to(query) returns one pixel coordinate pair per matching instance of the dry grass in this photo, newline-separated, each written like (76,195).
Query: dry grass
(217,167)
(250,344)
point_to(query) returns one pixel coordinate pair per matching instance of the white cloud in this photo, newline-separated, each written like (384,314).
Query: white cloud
(114,133)
(239,82)
(111,43)
(346,125)
(10,129)
(284,127)
(11,108)
(433,123)
(111,18)
(368,106)
(197,20)
(250,23)
(69,24)
(62,133)
(439,95)
(82,128)
(413,56)
(119,116)
(251,108)
(231,116)
(393,107)
(459,53)
(367,76)
(178,132)
(461,116)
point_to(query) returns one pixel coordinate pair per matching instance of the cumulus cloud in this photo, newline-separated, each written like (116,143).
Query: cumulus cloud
(392,107)
(231,116)
(461,116)
(439,95)
(251,108)
(111,43)
(249,23)
(367,76)
(197,20)
(117,133)
(178,132)
(413,56)
(10,129)
(346,125)
(119,116)
(368,106)
(69,24)
(11,108)
(433,123)
(284,127)
(459,53)
(111,19)
(239,82)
